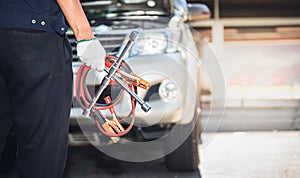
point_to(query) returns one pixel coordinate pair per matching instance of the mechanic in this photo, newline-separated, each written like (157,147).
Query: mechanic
(36,79)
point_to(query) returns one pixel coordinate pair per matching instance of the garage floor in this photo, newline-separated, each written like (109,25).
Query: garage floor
(223,155)
(251,155)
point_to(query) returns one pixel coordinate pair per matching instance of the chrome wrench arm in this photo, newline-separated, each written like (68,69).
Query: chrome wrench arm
(132,37)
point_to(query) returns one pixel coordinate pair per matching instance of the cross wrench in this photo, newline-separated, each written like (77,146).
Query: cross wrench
(110,74)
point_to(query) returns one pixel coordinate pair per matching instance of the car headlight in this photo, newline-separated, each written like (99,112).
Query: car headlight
(150,43)
(168,90)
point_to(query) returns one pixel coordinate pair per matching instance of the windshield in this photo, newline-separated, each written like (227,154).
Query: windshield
(123,8)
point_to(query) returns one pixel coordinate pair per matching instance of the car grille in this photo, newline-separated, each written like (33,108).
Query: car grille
(111,42)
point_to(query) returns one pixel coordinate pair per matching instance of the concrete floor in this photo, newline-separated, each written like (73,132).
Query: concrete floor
(223,155)
(251,155)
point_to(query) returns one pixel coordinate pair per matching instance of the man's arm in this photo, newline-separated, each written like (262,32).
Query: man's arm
(76,18)
(89,49)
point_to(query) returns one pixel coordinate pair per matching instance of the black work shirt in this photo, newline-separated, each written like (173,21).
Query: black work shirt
(43,15)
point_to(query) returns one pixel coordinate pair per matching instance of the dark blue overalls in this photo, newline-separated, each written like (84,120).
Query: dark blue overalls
(35,85)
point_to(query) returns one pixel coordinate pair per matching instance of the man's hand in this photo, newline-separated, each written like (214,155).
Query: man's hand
(92,53)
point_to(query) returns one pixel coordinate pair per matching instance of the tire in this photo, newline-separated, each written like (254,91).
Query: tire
(8,157)
(186,157)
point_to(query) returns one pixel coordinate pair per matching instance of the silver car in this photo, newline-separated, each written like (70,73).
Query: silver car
(165,55)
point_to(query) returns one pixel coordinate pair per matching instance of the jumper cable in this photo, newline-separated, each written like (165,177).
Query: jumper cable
(118,73)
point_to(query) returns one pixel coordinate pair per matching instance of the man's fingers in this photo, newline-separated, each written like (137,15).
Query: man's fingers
(88,64)
(97,66)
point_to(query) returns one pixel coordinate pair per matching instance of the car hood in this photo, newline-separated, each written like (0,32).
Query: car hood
(135,23)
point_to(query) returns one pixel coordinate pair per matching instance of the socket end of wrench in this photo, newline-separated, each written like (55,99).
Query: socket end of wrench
(134,35)
(146,107)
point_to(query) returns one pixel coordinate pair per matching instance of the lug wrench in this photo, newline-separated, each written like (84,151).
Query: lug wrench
(111,72)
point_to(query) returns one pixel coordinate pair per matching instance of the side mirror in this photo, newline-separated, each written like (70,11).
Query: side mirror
(198,12)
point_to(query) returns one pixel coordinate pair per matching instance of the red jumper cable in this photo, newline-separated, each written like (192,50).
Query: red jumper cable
(118,73)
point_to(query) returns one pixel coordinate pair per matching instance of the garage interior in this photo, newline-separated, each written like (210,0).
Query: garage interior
(257,44)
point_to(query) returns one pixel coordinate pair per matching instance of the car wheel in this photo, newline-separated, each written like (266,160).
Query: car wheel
(8,157)
(186,156)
